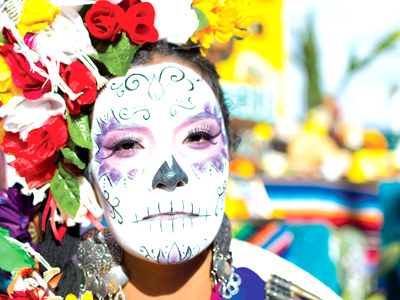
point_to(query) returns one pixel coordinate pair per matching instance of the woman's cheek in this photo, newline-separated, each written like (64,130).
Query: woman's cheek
(214,157)
(203,150)
(125,159)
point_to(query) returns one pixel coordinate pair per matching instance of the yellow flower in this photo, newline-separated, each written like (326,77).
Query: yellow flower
(86,296)
(227,18)
(7,88)
(36,16)
(5,75)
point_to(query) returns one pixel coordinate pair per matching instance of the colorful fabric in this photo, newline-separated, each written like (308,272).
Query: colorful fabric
(274,237)
(358,206)
(252,286)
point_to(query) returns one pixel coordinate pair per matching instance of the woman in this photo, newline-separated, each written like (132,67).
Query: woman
(160,167)
(159,162)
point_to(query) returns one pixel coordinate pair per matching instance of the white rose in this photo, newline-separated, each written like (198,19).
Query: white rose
(78,3)
(175,25)
(69,34)
(23,115)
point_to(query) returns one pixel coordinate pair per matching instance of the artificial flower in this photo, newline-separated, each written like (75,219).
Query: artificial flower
(36,174)
(44,141)
(42,45)
(32,83)
(27,294)
(36,16)
(226,19)
(77,4)
(15,213)
(69,36)
(18,286)
(138,23)
(36,159)
(5,76)
(7,88)
(86,296)
(175,26)
(22,115)
(7,34)
(125,4)
(104,20)
(79,79)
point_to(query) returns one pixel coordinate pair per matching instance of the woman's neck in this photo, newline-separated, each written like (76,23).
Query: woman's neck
(188,280)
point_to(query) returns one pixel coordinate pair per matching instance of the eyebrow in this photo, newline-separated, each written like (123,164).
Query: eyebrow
(201,116)
(116,126)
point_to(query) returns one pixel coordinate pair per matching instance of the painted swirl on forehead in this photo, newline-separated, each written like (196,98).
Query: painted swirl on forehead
(156,90)
(101,156)
(132,83)
(157,85)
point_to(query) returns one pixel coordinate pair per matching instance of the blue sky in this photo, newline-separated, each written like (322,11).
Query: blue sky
(343,27)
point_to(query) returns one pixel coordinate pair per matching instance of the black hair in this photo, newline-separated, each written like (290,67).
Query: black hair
(191,57)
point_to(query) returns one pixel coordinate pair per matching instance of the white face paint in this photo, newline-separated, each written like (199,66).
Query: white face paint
(160,162)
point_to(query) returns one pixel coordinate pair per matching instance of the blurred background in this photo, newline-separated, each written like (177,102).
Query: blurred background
(314,95)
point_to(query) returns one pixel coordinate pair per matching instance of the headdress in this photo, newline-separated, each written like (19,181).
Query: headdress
(54,57)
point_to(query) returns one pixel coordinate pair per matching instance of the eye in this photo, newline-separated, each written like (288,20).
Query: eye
(124,146)
(127,146)
(198,137)
(202,135)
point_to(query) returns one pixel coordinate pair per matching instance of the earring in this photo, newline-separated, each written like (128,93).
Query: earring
(223,271)
(99,258)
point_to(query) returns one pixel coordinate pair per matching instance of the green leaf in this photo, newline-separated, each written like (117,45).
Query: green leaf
(83,11)
(12,258)
(70,154)
(356,64)
(117,56)
(390,256)
(79,130)
(3,40)
(64,187)
(203,21)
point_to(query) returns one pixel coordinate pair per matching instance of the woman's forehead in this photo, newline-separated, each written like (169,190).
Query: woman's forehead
(167,90)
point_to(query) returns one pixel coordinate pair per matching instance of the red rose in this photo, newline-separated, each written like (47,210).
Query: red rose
(36,174)
(44,141)
(125,4)
(30,82)
(28,295)
(8,36)
(36,159)
(79,79)
(138,23)
(104,20)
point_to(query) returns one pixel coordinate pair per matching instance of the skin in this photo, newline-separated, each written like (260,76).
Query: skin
(188,279)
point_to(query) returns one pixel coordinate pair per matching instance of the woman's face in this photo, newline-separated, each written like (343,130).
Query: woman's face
(160,161)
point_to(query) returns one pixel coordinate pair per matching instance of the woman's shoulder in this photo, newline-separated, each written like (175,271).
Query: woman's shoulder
(257,265)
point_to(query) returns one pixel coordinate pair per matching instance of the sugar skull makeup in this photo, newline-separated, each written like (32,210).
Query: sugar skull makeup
(160,162)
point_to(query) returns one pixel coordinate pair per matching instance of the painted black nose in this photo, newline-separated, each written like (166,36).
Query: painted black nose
(169,178)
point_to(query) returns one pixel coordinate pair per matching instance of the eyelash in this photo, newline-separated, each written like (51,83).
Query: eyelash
(205,130)
(118,142)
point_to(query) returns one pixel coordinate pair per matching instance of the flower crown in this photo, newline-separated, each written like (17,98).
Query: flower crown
(49,77)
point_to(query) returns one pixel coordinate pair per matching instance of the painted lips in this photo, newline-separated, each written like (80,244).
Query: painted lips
(170,216)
